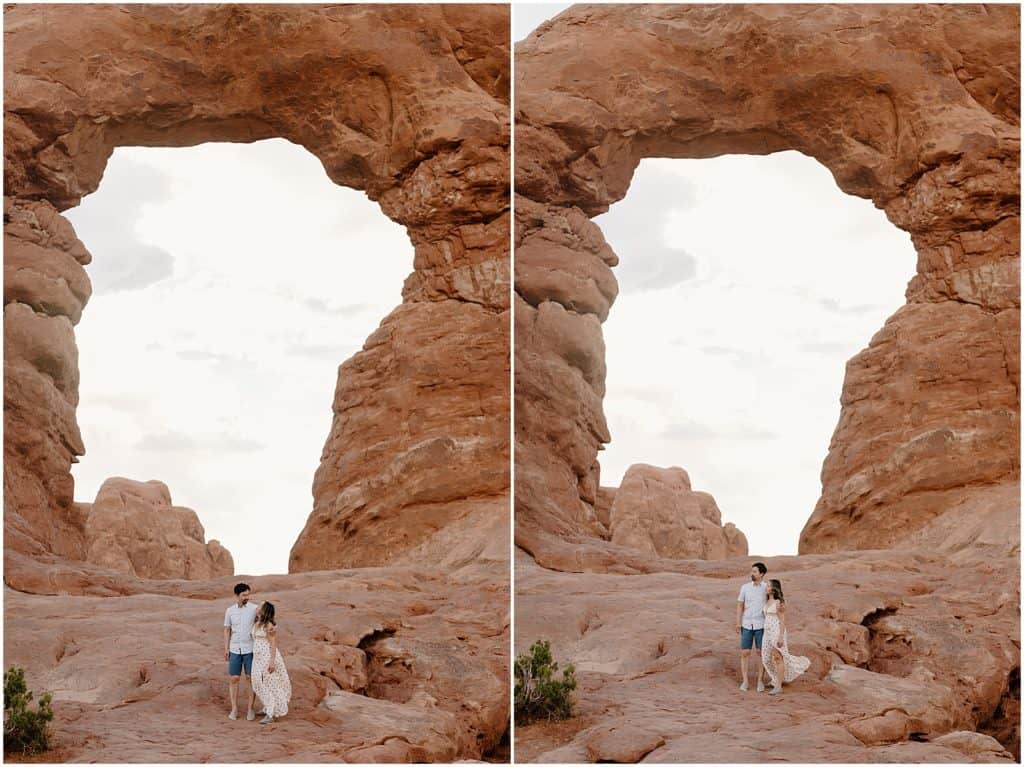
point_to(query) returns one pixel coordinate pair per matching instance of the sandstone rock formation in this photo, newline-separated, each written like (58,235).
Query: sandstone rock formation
(916,108)
(133,528)
(408,103)
(603,504)
(45,289)
(422,127)
(656,511)
(905,595)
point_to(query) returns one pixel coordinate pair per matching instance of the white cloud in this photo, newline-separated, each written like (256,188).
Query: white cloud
(637,233)
(169,442)
(123,259)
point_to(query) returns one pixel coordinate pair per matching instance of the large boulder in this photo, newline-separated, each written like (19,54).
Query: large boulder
(656,511)
(132,527)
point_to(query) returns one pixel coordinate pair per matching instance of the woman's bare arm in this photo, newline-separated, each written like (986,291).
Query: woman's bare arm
(272,638)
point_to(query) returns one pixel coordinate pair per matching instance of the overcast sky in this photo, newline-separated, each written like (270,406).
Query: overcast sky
(746,283)
(527,16)
(229,282)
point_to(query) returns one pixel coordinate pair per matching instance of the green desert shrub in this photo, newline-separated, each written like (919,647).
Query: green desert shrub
(26,729)
(538,693)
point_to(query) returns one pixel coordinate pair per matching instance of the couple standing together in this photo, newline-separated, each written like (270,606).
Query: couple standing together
(250,645)
(761,621)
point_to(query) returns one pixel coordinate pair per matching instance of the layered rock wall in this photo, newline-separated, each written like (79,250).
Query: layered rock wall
(45,290)
(914,107)
(406,102)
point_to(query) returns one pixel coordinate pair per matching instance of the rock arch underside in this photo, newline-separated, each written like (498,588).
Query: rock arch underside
(395,611)
(905,592)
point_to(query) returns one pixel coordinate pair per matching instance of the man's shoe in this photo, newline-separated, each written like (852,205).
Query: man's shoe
(744,687)
(250,715)
(760,686)
(233,714)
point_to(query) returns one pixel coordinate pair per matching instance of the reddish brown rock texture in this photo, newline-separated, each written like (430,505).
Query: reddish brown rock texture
(656,511)
(388,664)
(912,660)
(404,661)
(420,433)
(913,107)
(905,595)
(133,528)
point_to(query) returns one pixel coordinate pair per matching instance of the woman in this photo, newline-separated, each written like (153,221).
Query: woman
(780,665)
(269,675)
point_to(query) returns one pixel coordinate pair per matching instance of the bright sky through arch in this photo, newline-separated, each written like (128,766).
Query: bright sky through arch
(229,282)
(746,283)
(526,17)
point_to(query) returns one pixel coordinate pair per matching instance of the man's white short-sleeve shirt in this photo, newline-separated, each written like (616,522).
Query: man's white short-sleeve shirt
(753,598)
(240,620)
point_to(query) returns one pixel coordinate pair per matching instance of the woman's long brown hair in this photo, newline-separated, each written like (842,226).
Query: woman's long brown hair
(265,615)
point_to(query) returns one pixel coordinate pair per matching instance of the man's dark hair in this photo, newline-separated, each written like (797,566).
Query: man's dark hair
(759,565)
(245,587)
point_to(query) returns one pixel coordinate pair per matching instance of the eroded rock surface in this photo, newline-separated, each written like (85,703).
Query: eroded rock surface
(387,664)
(912,659)
(656,511)
(133,528)
(423,127)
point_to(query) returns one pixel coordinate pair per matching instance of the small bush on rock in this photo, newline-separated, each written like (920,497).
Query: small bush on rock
(26,729)
(538,693)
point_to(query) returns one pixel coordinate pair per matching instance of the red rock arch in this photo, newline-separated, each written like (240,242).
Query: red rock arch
(410,104)
(915,107)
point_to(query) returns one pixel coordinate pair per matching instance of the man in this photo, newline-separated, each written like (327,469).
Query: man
(750,620)
(238,622)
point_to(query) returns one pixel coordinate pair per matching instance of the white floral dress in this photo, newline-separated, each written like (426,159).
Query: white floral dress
(275,690)
(793,665)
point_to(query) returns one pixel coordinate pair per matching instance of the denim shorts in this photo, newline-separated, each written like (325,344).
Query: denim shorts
(750,637)
(237,660)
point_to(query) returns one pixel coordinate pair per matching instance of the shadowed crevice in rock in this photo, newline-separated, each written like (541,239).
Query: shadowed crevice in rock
(1004,724)
(883,648)
(501,752)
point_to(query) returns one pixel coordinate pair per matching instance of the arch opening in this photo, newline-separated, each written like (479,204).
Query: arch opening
(229,282)
(759,279)
(745,285)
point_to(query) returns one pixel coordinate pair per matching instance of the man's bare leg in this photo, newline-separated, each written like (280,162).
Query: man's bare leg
(233,690)
(744,666)
(251,713)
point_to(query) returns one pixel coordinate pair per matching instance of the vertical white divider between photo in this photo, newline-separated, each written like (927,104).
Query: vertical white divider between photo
(512,383)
